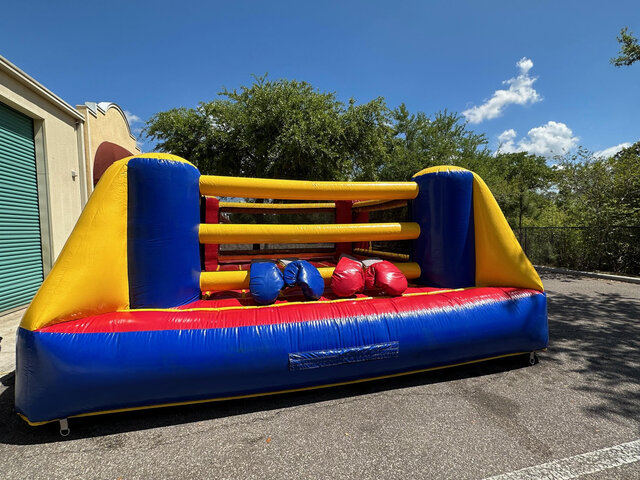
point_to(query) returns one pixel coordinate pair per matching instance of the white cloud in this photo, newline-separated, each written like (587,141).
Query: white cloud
(520,92)
(552,138)
(131,118)
(611,151)
(524,64)
(507,136)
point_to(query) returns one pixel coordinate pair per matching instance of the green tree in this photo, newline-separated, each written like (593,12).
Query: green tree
(520,183)
(584,188)
(629,49)
(603,194)
(420,142)
(278,129)
(625,170)
(288,129)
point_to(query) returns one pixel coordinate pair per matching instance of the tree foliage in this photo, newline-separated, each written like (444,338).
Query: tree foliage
(629,49)
(520,182)
(288,129)
(420,142)
(601,192)
(603,196)
(277,129)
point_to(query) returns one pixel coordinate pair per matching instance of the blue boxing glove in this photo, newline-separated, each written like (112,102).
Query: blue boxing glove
(265,282)
(305,275)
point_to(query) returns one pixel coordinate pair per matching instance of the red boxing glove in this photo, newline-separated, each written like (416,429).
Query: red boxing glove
(348,277)
(386,276)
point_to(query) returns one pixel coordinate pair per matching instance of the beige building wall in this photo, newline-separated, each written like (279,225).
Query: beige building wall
(104,122)
(59,155)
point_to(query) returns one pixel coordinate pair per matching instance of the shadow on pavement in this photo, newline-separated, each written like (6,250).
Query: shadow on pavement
(15,431)
(597,335)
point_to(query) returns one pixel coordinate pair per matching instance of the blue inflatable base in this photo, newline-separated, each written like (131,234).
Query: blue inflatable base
(60,375)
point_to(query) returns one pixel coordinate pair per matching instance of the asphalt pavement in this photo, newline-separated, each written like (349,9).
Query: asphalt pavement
(469,422)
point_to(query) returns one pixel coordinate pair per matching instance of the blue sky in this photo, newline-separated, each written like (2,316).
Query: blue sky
(561,90)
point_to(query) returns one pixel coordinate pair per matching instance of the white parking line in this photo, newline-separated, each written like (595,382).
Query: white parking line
(574,467)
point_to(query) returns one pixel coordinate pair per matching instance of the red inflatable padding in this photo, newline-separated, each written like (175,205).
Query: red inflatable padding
(430,304)
(347,278)
(386,276)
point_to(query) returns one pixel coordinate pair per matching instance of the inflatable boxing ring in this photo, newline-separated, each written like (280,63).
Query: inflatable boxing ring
(145,307)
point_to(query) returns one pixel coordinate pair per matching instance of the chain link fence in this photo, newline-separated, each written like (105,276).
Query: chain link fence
(610,249)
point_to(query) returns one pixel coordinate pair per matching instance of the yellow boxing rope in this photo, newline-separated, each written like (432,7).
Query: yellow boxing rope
(300,233)
(238,280)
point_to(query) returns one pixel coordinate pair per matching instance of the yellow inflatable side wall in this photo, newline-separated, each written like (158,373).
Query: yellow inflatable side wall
(90,275)
(500,260)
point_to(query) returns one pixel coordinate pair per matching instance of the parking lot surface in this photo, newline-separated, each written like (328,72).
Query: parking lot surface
(469,422)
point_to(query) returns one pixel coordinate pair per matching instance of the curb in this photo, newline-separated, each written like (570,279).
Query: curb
(578,273)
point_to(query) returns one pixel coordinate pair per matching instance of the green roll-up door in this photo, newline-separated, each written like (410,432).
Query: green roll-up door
(20,247)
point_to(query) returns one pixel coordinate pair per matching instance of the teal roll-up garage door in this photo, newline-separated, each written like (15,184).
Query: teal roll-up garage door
(20,247)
